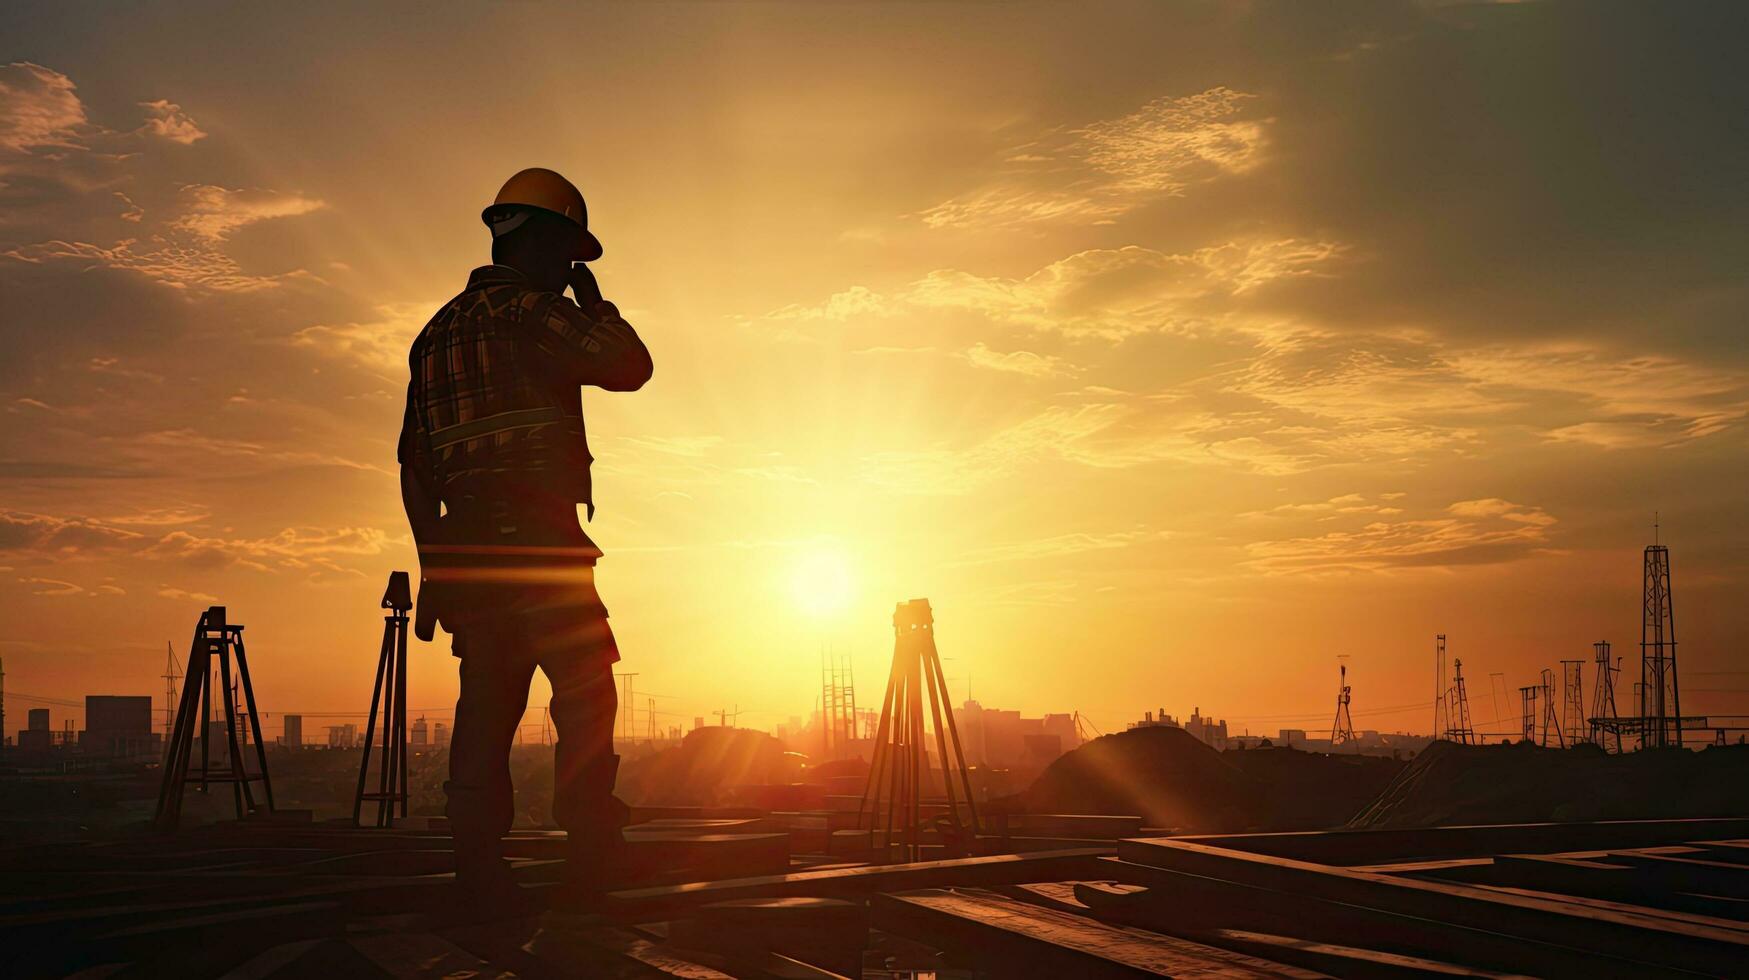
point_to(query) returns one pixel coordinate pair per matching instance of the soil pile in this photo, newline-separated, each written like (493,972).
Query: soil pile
(705,767)
(1522,783)
(1163,774)
(1312,790)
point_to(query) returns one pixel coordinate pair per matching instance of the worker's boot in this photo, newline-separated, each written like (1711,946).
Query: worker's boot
(595,860)
(487,888)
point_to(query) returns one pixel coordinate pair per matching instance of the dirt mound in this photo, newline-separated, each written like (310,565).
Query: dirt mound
(704,767)
(1455,784)
(1163,774)
(1312,790)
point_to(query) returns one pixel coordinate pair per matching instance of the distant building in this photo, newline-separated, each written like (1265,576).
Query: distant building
(421,732)
(440,735)
(1002,739)
(294,732)
(36,734)
(117,725)
(343,736)
(1205,730)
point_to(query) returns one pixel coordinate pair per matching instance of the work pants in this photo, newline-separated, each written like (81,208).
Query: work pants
(499,653)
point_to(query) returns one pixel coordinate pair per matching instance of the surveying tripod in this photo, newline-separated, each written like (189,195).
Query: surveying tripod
(212,636)
(391,693)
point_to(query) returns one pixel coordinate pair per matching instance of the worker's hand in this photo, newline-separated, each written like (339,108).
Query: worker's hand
(584,287)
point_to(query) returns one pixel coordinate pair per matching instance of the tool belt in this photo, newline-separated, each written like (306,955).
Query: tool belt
(496,560)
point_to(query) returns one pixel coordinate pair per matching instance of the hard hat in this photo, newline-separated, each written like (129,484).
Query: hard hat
(538,187)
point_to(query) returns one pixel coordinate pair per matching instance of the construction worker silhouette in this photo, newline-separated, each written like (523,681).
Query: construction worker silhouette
(494,463)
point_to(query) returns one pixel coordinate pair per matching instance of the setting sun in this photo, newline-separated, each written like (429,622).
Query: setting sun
(820,582)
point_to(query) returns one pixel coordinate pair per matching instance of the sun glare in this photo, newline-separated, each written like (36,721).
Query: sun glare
(820,582)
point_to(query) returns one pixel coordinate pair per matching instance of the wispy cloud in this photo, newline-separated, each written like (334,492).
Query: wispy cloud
(1469,532)
(1101,171)
(165,119)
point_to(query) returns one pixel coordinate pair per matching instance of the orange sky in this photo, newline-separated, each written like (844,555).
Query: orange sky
(1171,350)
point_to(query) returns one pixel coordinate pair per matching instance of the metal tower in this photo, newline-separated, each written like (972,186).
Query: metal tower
(172,673)
(1573,701)
(214,639)
(899,776)
(1342,729)
(1527,713)
(1549,721)
(1660,696)
(1604,727)
(837,706)
(1441,717)
(1458,711)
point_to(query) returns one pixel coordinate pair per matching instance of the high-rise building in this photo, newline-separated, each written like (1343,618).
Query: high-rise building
(294,732)
(421,732)
(117,725)
(440,735)
(35,734)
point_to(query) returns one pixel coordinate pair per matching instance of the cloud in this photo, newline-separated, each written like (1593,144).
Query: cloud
(1101,171)
(378,345)
(69,536)
(167,120)
(1111,293)
(1017,362)
(211,213)
(172,592)
(311,549)
(52,587)
(1058,546)
(1470,532)
(38,109)
(180,266)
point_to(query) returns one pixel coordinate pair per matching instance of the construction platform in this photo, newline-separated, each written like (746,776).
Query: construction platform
(723,896)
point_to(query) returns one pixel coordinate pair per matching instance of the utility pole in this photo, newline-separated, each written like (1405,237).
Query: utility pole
(1603,713)
(650,712)
(1461,730)
(627,706)
(1573,701)
(1440,721)
(172,671)
(1550,721)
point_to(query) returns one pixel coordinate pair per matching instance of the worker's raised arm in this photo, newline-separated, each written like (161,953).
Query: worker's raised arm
(596,348)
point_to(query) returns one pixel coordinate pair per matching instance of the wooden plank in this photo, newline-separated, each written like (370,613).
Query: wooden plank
(1352,847)
(423,956)
(1201,908)
(1630,936)
(647,904)
(1351,957)
(1594,883)
(1008,938)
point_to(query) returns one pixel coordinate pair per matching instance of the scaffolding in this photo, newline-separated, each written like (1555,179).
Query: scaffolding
(1550,721)
(838,717)
(1527,713)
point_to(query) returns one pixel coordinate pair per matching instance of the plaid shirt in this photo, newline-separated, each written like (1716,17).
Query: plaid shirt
(493,406)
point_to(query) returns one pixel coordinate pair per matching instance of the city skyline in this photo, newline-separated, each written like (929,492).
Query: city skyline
(1171,350)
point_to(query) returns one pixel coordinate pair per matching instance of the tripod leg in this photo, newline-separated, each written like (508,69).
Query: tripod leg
(401,704)
(385,772)
(181,742)
(234,749)
(369,728)
(254,721)
(206,710)
(959,753)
